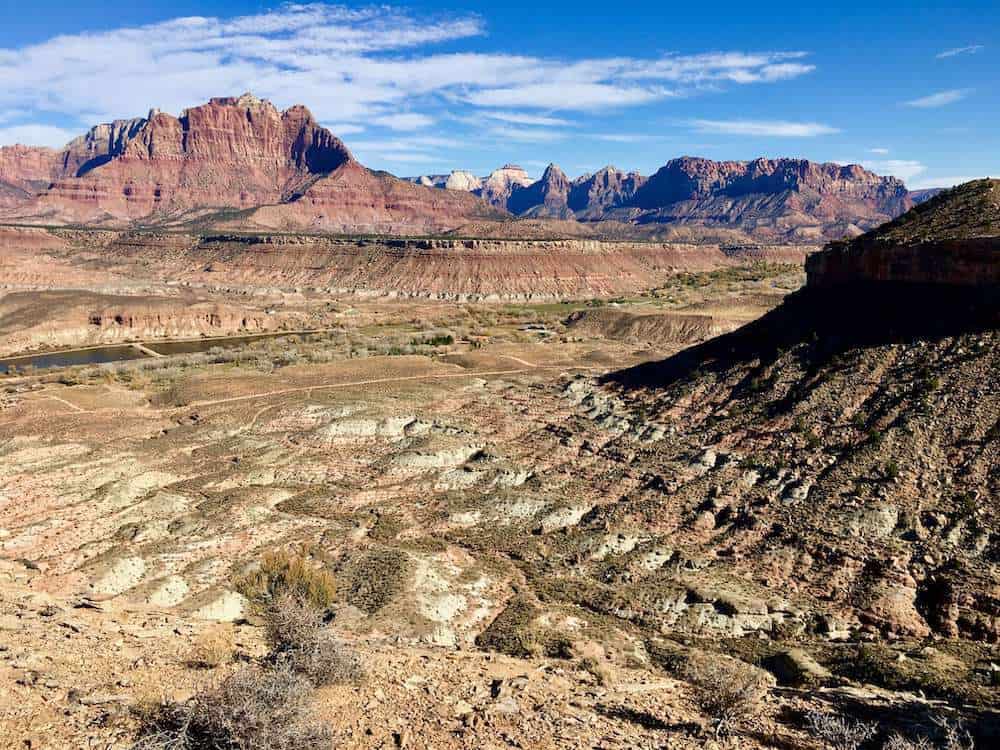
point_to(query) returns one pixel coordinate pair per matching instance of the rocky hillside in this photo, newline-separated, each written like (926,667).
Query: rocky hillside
(843,454)
(231,153)
(953,238)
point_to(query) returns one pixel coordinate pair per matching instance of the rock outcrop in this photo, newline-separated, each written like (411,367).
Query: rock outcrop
(98,146)
(952,239)
(771,199)
(774,197)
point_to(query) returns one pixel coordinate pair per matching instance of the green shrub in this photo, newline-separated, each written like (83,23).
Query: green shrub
(284,573)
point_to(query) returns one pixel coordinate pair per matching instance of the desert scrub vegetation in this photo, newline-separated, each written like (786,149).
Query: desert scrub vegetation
(839,732)
(728,691)
(252,709)
(298,638)
(515,632)
(282,573)
(376,577)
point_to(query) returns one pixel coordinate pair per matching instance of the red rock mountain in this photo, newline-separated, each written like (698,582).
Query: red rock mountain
(239,162)
(791,198)
(592,195)
(235,153)
(772,199)
(546,199)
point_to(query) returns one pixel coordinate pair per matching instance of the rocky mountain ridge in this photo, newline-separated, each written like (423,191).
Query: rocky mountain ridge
(232,154)
(238,159)
(794,199)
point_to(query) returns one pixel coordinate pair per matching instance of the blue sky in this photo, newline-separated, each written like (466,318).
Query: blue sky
(428,87)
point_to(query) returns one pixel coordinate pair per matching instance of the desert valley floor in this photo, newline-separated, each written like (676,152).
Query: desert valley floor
(527,542)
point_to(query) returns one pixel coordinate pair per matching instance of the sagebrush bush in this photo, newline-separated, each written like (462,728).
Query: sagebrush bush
(252,709)
(299,639)
(728,691)
(951,735)
(285,573)
(838,732)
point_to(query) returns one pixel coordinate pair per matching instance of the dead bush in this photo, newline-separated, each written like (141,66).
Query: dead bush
(284,573)
(728,691)
(212,648)
(253,709)
(951,735)
(838,732)
(298,638)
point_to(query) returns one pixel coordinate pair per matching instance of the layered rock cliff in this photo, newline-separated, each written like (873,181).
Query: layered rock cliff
(24,171)
(953,239)
(775,197)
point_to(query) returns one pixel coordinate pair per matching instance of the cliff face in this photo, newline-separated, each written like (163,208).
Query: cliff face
(232,152)
(24,170)
(592,195)
(772,199)
(548,198)
(953,239)
(791,197)
(277,169)
(501,183)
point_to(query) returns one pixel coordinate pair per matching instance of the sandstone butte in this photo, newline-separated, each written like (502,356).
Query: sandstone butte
(232,153)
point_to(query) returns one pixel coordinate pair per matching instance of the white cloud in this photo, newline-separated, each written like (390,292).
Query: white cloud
(527,135)
(624,137)
(522,118)
(942,182)
(878,151)
(341,129)
(768,128)
(348,65)
(36,135)
(904,169)
(578,95)
(405,121)
(940,99)
(970,50)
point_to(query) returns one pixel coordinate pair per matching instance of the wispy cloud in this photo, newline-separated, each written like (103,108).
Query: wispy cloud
(625,137)
(343,128)
(878,151)
(349,65)
(405,121)
(523,118)
(765,128)
(904,169)
(943,182)
(527,135)
(970,50)
(939,99)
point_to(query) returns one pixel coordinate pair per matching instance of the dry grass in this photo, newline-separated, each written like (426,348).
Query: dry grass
(212,648)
